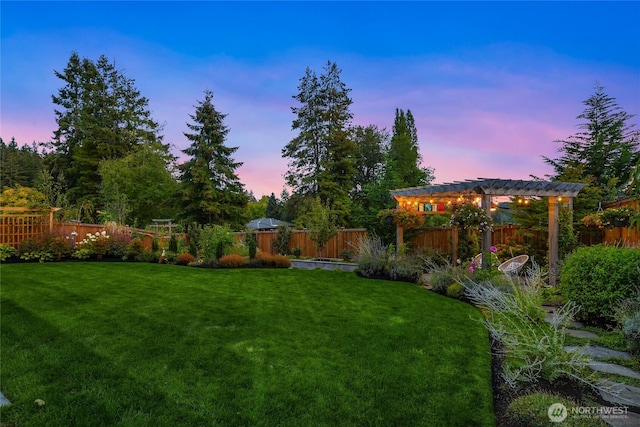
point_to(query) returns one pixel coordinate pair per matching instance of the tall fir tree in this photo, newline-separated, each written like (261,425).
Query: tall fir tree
(605,149)
(211,191)
(100,115)
(323,154)
(404,159)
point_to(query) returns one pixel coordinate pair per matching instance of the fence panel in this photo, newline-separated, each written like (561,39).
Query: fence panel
(19,224)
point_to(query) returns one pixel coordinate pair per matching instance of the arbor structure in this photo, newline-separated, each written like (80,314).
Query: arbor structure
(100,115)
(605,149)
(322,156)
(211,191)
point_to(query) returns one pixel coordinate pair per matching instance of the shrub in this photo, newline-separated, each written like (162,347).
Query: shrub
(373,268)
(404,269)
(281,241)
(631,331)
(119,245)
(533,347)
(135,249)
(173,244)
(532,410)
(232,261)
(455,290)
(155,245)
(598,278)
(441,280)
(263,259)
(347,255)
(147,256)
(281,261)
(251,242)
(82,253)
(185,259)
(7,251)
(58,246)
(215,240)
(296,252)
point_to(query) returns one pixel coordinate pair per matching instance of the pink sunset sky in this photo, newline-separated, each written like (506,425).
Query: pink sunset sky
(491,85)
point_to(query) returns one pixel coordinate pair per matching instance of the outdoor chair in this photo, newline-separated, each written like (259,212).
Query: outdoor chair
(513,265)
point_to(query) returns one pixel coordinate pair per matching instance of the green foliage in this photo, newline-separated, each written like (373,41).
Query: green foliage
(606,147)
(281,241)
(631,331)
(119,245)
(322,155)
(251,242)
(82,253)
(146,256)
(211,191)
(19,166)
(599,278)
(534,348)
(173,243)
(143,178)
(441,280)
(215,241)
(404,217)
(320,220)
(155,245)
(7,251)
(532,410)
(100,115)
(404,158)
(455,290)
(135,249)
(23,197)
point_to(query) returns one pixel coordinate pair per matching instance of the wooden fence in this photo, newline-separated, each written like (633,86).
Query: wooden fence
(18,224)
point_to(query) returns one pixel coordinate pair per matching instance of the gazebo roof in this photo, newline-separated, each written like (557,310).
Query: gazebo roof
(493,187)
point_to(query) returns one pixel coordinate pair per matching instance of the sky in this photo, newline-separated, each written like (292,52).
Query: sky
(491,85)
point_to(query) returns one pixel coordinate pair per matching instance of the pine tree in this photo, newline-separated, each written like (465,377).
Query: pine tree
(605,149)
(211,191)
(273,208)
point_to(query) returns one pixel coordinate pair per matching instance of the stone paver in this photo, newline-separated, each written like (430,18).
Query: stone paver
(580,334)
(621,394)
(611,368)
(630,419)
(598,352)
(4,400)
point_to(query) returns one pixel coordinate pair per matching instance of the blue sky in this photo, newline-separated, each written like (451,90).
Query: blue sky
(490,84)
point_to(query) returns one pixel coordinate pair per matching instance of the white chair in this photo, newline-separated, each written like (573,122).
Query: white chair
(513,265)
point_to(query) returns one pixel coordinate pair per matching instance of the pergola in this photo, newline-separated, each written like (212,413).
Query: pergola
(432,199)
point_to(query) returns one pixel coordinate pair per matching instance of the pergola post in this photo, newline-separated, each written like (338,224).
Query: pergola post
(399,237)
(486,234)
(554,231)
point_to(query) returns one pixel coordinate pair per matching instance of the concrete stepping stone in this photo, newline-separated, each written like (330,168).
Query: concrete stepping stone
(630,419)
(580,334)
(598,352)
(611,368)
(3,400)
(620,394)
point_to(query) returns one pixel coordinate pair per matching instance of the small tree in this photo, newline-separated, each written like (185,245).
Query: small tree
(319,219)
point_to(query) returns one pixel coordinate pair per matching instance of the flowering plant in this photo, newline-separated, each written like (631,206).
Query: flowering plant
(468,215)
(405,218)
(609,218)
(97,243)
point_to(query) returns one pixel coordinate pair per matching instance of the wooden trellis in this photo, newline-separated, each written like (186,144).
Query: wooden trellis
(19,224)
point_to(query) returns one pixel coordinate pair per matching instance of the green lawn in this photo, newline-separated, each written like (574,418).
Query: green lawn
(156,345)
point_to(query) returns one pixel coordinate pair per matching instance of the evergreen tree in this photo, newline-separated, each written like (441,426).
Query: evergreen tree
(606,147)
(211,191)
(19,166)
(403,162)
(273,207)
(322,155)
(100,115)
